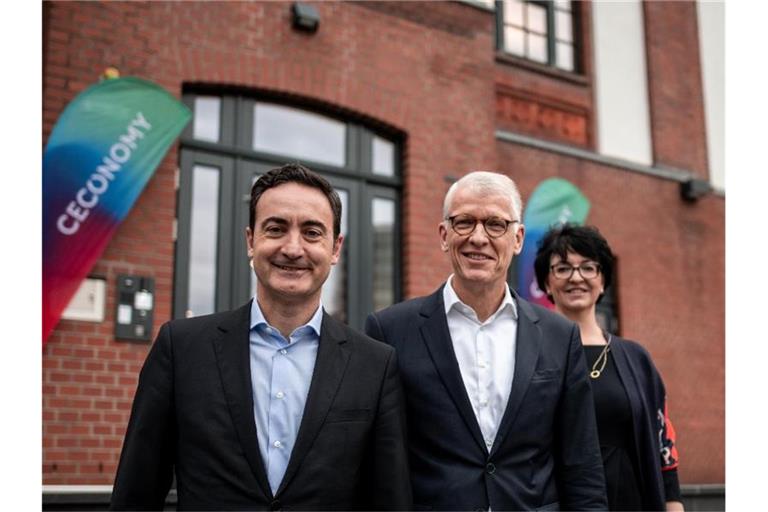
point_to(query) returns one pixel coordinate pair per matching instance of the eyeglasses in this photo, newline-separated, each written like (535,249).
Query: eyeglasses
(588,270)
(466,224)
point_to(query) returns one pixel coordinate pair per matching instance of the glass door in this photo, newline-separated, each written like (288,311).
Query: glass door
(203,241)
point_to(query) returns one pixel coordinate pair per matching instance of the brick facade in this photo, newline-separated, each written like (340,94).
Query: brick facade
(427,70)
(675,87)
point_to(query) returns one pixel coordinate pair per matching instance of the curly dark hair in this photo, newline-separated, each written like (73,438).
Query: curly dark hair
(583,240)
(295,173)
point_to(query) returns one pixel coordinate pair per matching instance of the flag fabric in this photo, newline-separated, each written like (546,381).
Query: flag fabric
(100,155)
(554,201)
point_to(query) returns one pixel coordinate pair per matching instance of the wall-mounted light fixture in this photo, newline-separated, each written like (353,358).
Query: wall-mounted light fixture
(694,189)
(305,17)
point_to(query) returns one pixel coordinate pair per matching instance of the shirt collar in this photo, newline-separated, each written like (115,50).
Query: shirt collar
(452,301)
(257,318)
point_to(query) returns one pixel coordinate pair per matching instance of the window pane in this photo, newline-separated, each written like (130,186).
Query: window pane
(383,213)
(206,124)
(294,132)
(203,241)
(513,12)
(383,157)
(514,41)
(607,312)
(537,18)
(563,26)
(564,5)
(334,294)
(565,56)
(537,48)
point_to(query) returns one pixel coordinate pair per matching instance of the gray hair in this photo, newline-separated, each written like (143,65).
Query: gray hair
(490,183)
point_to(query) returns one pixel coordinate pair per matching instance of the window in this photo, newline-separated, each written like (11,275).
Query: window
(539,31)
(202,238)
(206,123)
(607,311)
(230,143)
(290,131)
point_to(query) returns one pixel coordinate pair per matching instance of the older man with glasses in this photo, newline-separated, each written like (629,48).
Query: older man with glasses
(500,413)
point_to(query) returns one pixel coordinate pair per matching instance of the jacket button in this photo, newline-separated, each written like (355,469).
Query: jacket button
(275,505)
(490,468)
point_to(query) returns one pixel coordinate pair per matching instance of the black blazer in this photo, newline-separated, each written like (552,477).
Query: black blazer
(193,411)
(653,435)
(546,454)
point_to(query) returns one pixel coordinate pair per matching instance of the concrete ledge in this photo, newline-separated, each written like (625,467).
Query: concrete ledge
(667,173)
(86,497)
(698,497)
(701,489)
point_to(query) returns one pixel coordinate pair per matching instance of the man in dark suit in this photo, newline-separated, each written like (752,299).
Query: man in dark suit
(275,404)
(499,409)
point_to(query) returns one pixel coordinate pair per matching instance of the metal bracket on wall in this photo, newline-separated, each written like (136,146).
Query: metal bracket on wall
(694,189)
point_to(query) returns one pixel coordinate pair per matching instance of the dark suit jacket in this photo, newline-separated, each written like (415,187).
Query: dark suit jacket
(653,436)
(546,454)
(193,411)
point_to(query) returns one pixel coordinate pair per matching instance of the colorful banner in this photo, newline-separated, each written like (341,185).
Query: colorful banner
(554,201)
(100,155)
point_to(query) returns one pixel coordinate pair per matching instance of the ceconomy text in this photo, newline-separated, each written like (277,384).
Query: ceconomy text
(87,197)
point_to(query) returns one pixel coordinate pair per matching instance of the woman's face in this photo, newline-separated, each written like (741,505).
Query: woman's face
(574,294)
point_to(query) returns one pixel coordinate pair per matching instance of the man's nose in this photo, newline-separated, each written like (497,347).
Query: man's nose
(292,247)
(478,236)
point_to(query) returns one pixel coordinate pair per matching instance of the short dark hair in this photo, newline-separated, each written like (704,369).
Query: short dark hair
(295,173)
(583,240)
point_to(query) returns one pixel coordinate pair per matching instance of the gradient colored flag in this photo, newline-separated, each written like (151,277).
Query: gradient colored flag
(100,155)
(554,201)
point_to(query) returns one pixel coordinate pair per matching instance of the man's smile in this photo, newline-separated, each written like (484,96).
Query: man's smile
(292,268)
(477,256)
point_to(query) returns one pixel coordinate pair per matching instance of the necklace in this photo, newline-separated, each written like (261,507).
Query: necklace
(601,360)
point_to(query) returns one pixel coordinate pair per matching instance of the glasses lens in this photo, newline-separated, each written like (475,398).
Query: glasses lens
(588,270)
(463,225)
(495,226)
(562,271)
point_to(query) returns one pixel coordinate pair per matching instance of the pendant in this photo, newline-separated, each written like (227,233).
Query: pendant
(594,374)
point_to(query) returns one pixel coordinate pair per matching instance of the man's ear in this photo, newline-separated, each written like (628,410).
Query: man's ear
(336,251)
(443,231)
(519,239)
(249,241)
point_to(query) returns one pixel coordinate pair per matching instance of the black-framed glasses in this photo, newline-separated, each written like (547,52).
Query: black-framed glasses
(587,270)
(466,224)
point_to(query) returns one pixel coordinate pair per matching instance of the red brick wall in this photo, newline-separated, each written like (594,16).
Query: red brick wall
(428,70)
(675,86)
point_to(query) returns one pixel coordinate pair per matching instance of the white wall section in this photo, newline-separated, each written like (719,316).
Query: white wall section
(621,91)
(712,49)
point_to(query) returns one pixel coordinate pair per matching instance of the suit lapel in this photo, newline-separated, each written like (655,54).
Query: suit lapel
(627,378)
(232,349)
(526,356)
(331,362)
(437,337)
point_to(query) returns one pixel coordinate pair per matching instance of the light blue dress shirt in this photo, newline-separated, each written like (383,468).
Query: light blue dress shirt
(281,371)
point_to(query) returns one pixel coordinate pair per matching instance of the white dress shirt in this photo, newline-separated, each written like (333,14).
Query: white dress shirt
(486,355)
